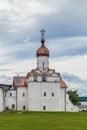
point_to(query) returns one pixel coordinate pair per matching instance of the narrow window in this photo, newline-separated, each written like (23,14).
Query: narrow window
(24,107)
(13,106)
(52,94)
(10,94)
(44,79)
(23,94)
(44,93)
(44,107)
(43,64)
(35,78)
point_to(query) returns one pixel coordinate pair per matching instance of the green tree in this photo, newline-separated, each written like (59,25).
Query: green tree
(74,97)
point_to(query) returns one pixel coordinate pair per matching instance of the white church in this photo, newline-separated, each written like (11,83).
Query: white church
(42,89)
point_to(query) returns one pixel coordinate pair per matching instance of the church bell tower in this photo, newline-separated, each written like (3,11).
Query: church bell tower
(42,54)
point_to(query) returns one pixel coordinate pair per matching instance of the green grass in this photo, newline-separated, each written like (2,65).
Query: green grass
(43,121)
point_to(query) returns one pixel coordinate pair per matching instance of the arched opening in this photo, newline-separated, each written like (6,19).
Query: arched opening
(52,94)
(35,78)
(44,93)
(44,78)
(44,107)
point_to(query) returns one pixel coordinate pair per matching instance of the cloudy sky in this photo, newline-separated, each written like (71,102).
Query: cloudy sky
(65,22)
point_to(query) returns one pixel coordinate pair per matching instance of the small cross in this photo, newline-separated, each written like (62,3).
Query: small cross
(42,32)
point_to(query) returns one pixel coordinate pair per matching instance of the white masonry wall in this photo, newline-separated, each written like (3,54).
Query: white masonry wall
(1,100)
(63,99)
(36,99)
(10,99)
(42,62)
(22,98)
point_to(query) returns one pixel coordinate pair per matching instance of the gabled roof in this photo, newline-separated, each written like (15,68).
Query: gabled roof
(62,84)
(19,81)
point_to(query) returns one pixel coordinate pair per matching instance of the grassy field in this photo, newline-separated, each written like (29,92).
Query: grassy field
(43,121)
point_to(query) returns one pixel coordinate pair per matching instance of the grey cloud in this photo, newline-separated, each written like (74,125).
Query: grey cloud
(5,69)
(66,18)
(75,82)
(4,79)
(68,46)
(69,20)
(73,78)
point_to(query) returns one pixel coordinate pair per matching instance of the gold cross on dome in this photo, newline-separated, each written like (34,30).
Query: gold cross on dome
(42,32)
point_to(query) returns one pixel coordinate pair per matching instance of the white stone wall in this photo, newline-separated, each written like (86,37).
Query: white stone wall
(69,106)
(37,100)
(41,60)
(10,99)
(1,100)
(63,99)
(49,79)
(22,98)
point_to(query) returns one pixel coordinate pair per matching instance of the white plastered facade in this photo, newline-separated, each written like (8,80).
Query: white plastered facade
(1,100)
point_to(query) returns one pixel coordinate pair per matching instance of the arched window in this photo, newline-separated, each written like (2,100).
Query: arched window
(43,64)
(44,78)
(23,94)
(24,107)
(52,94)
(35,78)
(44,107)
(13,106)
(44,93)
(10,94)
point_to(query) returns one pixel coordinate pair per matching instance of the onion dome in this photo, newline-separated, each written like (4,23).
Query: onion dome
(42,51)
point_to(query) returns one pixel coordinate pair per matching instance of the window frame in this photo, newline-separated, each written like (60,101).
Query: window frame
(24,107)
(35,78)
(43,64)
(23,94)
(44,107)
(45,94)
(44,78)
(52,94)
(13,106)
(10,94)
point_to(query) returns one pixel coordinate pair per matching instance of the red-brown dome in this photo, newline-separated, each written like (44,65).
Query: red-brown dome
(42,51)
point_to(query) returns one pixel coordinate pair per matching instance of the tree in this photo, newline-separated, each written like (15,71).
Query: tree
(74,97)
